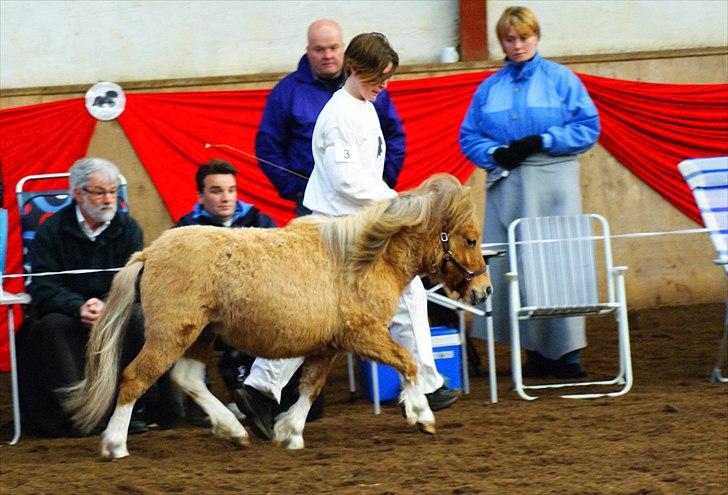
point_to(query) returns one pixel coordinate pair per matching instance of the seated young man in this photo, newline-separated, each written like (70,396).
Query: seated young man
(219,206)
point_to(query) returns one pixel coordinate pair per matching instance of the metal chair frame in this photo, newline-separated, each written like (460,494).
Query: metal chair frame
(8,300)
(554,287)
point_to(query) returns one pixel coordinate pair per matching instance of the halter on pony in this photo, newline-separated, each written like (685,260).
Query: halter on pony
(450,258)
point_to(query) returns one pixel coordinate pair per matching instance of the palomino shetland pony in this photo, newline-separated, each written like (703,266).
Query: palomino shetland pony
(316,288)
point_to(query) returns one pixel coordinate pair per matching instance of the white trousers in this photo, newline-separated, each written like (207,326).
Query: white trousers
(410,327)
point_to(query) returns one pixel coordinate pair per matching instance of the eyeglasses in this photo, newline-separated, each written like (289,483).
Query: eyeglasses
(99,194)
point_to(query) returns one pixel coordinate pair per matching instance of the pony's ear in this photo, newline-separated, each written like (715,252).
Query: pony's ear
(465,193)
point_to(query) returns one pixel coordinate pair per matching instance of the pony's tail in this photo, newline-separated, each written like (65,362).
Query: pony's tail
(90,399)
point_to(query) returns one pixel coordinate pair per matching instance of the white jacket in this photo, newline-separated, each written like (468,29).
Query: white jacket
(348,151)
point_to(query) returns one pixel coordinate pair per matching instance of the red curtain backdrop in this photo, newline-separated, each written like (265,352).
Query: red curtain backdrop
(647,127)
(169,132)
(36,139)
(650,128)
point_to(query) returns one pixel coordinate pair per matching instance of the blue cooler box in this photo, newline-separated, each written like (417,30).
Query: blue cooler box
(448,360)
(448,355)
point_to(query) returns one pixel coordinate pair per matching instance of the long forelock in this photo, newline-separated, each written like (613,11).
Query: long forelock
(460,211)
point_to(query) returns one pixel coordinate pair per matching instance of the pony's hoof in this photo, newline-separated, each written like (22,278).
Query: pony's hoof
(111,452)
(295,443)
(292,443)
(428,428)
(241,442)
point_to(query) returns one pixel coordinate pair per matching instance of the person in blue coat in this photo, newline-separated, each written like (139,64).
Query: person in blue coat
(218,204)
(283,142)
(526,125)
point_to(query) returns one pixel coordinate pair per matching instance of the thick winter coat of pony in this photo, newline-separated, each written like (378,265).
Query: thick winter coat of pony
(317,287)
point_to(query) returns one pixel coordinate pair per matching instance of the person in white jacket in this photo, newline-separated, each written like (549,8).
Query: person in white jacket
(348,150)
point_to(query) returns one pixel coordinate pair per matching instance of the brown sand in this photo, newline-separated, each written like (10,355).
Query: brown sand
(669,435)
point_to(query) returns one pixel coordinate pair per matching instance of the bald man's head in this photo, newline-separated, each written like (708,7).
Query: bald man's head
(325,50)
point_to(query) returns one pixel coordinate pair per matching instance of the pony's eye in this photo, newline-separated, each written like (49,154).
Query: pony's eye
(471,242)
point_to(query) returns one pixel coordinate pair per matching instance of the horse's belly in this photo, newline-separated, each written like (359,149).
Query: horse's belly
(279,331)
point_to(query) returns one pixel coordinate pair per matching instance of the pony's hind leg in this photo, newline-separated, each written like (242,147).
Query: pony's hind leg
(288,428)
(381,347)
(156,357)
(113,444)
(189,375)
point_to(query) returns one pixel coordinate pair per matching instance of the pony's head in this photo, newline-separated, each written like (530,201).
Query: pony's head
(456,260)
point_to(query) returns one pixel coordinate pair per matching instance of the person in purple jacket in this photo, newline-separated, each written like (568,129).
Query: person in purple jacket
(284,136)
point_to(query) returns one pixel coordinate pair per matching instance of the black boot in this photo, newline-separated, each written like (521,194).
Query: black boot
(442,398)
(536,366)
(258,409)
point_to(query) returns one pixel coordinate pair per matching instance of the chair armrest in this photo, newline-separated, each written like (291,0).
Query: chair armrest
(490,253)
(619,270)
(10,298)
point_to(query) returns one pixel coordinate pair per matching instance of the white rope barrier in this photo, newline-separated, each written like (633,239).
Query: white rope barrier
(611,236)
(80,271)
(632,235)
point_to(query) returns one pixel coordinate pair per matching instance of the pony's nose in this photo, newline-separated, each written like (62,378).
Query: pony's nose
(488,291)
(479,296)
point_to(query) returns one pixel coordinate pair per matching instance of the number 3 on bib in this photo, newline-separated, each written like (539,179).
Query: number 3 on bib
(344,153)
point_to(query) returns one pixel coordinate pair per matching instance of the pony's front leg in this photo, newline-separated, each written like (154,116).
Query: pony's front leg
(380,346)
(288,428)
(416,408)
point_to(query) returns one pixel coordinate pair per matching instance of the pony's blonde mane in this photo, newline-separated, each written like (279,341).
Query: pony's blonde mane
(357,240)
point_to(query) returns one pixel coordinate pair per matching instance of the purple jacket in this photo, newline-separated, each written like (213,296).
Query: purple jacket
(284,135)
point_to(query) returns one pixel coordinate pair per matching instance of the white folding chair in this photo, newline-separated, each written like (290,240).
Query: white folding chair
(708,179)
(555,273)
(8,300)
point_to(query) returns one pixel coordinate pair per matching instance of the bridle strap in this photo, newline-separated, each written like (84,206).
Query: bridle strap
(450,258)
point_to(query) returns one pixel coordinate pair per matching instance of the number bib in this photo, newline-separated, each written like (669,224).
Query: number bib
(344,152)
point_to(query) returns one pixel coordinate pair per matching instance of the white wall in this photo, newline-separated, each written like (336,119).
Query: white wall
(75,42)
(577,27)
(68,42)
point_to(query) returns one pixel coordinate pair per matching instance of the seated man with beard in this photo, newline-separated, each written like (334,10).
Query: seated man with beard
(88,233)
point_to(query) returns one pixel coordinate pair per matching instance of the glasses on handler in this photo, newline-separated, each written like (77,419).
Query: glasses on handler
(99,193)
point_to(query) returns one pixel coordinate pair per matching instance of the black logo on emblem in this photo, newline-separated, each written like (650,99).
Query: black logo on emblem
(109,100)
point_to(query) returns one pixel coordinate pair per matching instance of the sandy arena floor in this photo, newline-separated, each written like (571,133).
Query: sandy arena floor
(669,435)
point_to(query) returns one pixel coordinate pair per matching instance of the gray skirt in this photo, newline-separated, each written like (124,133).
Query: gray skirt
(543,185)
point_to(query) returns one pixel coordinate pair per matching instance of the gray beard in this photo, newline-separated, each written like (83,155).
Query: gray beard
(100,214)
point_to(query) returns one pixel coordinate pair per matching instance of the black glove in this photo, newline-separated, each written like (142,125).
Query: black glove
(506,158)
(528,145)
